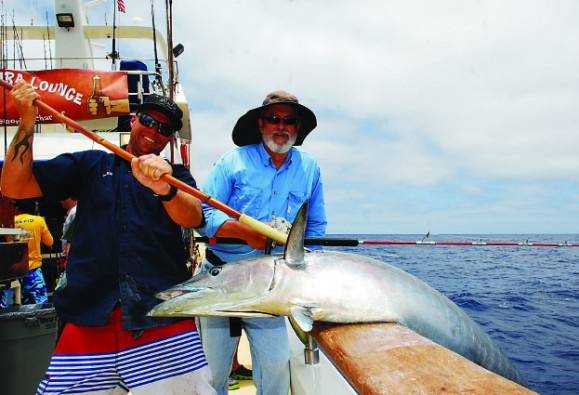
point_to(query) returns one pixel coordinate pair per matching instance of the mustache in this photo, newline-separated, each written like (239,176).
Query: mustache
(279,148)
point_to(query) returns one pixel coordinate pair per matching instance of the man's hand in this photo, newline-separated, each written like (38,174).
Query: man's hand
(237,230)
(256,240)
(148,170)
(184,209)
(23,96)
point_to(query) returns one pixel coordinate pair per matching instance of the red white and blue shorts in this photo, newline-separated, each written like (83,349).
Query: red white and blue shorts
(108,360)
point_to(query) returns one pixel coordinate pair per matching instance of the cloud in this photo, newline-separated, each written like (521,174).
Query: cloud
(415,97)
(460,115)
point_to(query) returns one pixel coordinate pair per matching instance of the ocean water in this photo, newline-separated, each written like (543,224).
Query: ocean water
(525,297)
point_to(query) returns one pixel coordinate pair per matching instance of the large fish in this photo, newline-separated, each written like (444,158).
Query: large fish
(333,287)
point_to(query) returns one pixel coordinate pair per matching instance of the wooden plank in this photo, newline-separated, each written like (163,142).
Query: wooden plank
(392,359)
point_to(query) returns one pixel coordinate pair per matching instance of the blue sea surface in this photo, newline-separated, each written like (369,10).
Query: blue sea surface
(525,297)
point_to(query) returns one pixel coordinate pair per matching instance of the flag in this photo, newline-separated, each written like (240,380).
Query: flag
(121,5)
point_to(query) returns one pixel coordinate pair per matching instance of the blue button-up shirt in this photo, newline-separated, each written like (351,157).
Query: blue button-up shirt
(247,180)
(124,247)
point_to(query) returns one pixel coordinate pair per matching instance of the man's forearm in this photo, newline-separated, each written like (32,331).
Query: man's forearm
(237,230)
(185,210)
(17,178)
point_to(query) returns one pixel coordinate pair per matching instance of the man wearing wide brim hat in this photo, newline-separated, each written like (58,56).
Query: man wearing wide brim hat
(267,178)
(247,131)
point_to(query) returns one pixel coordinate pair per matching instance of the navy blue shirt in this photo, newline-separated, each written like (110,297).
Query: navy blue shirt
(124,248)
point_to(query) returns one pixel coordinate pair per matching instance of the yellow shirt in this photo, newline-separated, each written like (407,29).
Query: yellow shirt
(38,233)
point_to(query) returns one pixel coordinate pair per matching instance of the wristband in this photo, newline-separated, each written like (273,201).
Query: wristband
(169,196)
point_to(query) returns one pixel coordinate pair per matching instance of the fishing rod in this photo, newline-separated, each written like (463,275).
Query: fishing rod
(243,218)
(469,243)
(158,77)
(351,242)
(114,41)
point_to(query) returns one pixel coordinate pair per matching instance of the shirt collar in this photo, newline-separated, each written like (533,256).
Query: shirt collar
(266,159)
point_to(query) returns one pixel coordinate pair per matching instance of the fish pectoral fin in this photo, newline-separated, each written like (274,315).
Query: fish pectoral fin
(302,316)
(303,336)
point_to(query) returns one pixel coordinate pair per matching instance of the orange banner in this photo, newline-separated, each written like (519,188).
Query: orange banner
(79,94)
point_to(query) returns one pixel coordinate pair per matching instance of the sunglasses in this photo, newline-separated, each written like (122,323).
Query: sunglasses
(274,119)
(150,122)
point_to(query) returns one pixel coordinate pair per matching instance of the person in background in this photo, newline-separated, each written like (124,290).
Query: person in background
(127,246)
(33,285)
(266,178)
(69,205)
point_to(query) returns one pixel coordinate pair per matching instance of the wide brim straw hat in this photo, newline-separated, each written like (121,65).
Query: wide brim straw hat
(246,130)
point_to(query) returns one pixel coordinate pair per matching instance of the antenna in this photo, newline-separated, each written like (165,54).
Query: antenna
(157,64)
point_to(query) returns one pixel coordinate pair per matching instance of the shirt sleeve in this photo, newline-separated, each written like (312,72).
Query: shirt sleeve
(218,186)
(59,176)
(181,173)
(46,236)
(317,220)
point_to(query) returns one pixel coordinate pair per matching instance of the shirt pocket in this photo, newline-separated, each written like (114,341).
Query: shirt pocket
(103,194)
(247,200)
(295,201)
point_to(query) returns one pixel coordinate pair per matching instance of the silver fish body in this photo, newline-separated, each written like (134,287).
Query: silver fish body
(334,287)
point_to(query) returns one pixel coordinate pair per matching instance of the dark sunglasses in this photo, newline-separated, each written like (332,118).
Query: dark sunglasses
(150,122)
(274,119)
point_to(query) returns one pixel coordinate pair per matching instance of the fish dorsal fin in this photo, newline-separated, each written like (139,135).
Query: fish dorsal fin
(294,249)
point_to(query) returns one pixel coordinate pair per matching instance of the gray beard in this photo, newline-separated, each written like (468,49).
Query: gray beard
(279,149)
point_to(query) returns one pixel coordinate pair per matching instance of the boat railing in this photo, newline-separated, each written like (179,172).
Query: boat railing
(146,83)
(378,358)
(43,66)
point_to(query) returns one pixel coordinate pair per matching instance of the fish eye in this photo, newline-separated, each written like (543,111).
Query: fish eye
(214,271)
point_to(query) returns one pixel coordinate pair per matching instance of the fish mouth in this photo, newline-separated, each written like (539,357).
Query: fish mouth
(240,310)
(242,314)
(176,292)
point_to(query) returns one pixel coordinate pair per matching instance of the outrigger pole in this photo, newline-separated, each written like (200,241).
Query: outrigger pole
(254,224)
(350,242)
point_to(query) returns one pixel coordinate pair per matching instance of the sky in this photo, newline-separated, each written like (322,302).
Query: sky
(446,116)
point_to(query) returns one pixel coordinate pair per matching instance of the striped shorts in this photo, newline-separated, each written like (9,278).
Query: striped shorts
(108,360)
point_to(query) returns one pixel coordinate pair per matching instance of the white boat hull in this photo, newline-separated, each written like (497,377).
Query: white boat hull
(322,378)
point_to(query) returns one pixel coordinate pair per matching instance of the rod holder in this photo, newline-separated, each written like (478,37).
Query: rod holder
(311,351)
